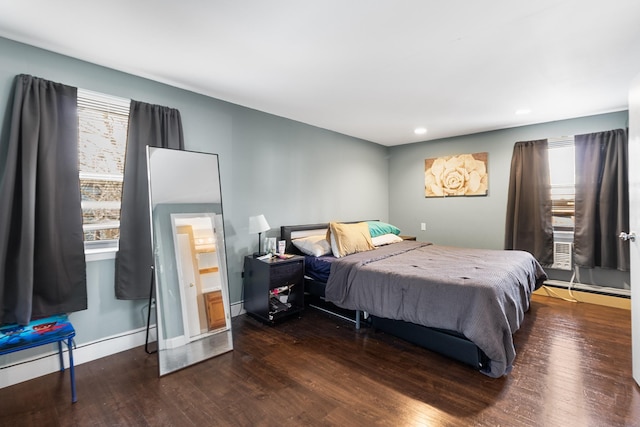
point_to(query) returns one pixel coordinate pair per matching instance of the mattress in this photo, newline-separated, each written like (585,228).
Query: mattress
(481,294)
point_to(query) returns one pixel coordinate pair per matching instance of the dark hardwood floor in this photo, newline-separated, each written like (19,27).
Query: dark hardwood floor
(573,368)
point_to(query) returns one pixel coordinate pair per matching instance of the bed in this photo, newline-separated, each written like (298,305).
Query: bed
(463,303)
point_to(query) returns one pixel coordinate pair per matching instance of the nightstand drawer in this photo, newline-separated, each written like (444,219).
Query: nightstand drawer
(286,274)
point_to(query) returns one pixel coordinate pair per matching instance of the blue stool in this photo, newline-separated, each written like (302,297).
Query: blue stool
(54,329)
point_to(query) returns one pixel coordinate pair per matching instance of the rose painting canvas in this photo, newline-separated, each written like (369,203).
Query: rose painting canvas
(461,175)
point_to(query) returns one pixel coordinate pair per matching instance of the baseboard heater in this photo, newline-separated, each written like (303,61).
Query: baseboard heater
(445,342)
(600,290)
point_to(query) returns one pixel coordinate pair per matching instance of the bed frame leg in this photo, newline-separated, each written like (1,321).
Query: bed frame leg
(357,319)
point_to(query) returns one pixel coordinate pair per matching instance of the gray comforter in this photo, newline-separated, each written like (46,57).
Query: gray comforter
(480,293)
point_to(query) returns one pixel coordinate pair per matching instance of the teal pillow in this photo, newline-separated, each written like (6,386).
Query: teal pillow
(377,228)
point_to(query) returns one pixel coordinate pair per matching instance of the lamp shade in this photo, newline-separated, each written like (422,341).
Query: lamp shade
(258,224)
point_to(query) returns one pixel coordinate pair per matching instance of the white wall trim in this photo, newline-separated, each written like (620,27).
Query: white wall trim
(237,308)
(46,363)
(175,342)
(590,288)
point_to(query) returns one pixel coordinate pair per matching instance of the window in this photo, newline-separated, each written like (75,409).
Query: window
(102,139)
(562,177)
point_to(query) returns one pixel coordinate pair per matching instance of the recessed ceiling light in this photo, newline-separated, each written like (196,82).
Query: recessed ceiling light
(523,111)
(420,131)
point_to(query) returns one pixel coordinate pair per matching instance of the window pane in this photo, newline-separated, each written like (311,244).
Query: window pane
(562,166)
(562,176)
(100,208)
(102,137)
(102,143)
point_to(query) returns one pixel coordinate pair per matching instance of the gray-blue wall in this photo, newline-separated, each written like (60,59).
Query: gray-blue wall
(480,221)
(294,173)
(291,172)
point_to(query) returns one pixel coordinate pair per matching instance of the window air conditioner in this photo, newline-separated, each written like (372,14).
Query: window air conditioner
(562,255)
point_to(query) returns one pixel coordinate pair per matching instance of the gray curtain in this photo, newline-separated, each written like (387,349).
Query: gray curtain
(42,265)
(602,200)
(528,222)
(155,126)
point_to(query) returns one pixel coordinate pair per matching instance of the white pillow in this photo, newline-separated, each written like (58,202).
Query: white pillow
(313,245)
(385,239)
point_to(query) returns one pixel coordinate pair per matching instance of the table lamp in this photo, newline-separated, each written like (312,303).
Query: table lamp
(258,224)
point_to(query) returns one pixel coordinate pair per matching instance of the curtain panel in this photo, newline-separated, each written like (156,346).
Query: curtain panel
(155,126)
(602,200)
(42,264)
(528,223)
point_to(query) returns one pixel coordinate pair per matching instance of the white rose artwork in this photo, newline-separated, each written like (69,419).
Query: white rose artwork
(462,175)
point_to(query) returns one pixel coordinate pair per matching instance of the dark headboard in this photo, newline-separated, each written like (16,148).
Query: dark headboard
(287,230)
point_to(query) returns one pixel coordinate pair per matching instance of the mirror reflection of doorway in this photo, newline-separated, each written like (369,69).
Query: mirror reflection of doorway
(198,261)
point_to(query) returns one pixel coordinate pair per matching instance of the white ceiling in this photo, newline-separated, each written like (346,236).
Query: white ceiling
(372,69)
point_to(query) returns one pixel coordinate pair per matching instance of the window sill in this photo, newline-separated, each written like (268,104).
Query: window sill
(101,254)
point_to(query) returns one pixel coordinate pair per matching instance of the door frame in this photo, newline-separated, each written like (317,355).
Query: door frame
(634,222)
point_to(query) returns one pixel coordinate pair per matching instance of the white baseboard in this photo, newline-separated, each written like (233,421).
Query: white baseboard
(46,363)
(590,288)
(49,362)
(174,342)
(237,309)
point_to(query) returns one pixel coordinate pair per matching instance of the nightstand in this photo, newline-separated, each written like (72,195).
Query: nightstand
(274,288)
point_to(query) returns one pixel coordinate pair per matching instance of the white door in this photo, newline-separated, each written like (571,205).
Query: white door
(188,283)
(634,221)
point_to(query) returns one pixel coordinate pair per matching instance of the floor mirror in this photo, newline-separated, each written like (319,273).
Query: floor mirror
(193,316)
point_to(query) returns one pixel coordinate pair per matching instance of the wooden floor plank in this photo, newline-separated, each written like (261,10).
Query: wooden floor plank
(573,367)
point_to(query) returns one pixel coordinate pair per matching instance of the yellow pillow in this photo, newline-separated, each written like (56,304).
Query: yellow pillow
(348,239)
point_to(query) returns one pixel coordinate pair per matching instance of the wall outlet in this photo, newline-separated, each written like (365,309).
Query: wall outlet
(423,226)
